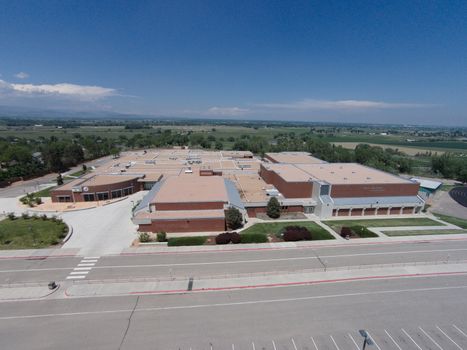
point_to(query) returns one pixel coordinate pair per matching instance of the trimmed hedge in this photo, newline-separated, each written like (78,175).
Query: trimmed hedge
(228,237)
(296,233)
(182,241)
(253,238)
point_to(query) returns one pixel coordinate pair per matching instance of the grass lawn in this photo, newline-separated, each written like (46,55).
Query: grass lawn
(317,232)
(452,220)
(337,224)
(45,192)
(422,232)
(30,233)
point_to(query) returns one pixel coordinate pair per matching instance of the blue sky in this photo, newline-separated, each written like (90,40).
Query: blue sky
(348,61)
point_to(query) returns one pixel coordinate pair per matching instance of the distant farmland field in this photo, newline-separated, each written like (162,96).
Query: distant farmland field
(408,150)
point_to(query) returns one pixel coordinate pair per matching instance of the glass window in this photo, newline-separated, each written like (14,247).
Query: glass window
(116,194)
(127,191)
(89,197)
(324,190)
(64,199)
(102,196)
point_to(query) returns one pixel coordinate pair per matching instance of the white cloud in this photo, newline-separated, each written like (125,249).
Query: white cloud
(22,75)
(227,111)
(310,104)
(81,92)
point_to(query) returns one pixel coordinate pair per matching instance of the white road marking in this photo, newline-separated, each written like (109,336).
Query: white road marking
(252,302)
(293,342)
(314,343)
(274,345)
(430,338)
(88,261)
(335,344)
(253,345)
(80,265)
(91,257)
(459,330)
(353,340)
(79,272)
(447,336)
(82,268)
(74,277)
(373,340)
(390,337)
(233,347)
(407,334)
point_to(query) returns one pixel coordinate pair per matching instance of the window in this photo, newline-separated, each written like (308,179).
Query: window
(63,199)
(102,196)
(127,191)
(88,197)
(324,190)
(116,194)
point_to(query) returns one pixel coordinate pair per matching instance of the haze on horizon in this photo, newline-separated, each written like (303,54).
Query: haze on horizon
(336,61)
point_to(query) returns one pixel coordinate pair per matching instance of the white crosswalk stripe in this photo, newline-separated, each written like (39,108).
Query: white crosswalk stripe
(83,268)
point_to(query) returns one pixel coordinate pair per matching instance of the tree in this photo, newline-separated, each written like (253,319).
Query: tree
(59,180)
(233,218)
(273,208)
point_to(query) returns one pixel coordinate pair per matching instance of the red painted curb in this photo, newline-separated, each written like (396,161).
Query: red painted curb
(271,285)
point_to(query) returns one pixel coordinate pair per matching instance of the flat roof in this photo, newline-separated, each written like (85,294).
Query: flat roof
(251,187)
(98,180)
(294,158)
(350,173)
(289,172)
(192,188)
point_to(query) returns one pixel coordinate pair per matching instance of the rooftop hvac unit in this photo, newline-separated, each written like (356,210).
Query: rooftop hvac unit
(272,192)
(76,189)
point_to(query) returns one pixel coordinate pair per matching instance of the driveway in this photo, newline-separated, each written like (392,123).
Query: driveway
(103,230)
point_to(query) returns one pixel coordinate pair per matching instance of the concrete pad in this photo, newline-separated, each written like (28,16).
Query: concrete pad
(25,292)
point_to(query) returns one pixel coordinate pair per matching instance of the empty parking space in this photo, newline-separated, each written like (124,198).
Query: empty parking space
(427,337)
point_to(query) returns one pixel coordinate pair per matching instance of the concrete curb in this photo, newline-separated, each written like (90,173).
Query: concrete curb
(69,234)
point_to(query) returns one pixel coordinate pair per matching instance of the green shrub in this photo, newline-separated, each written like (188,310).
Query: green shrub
(44,217)
(181,241)
(11,216)
(25,216)
(233,218)
(38,200)
(273,209)
(162,236)
(144,237)
(253,238)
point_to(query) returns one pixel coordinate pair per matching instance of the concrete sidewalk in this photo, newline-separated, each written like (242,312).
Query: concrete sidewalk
(251,281)
(155,249)
(38,253)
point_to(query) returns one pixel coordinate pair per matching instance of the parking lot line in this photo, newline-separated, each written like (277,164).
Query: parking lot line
(430,338)
(353,340)
(459,330)
(373,339)
(335,344)
(274,345)
(314,343)
(390,337)
(293,342)
(447,336)
(408,335)
(253,345)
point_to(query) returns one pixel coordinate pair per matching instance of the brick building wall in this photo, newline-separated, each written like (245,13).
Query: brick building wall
(288,189)
(189,206)
(408,189)
(185,225)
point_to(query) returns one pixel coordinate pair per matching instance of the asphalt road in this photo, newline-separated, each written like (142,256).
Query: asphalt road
(410,313)
(205,264)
